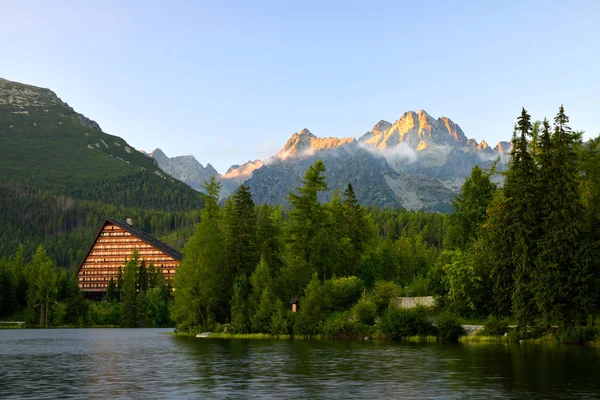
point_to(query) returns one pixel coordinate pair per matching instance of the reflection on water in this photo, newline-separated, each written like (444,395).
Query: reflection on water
(148,363)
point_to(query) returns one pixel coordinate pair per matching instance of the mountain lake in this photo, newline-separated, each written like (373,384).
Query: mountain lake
(150,363)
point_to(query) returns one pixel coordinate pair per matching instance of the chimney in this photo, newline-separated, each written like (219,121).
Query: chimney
(129,221)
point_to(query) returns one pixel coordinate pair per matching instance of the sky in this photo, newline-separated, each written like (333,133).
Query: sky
(231,81)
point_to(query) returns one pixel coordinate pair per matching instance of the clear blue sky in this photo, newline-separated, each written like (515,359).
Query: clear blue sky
(231,81)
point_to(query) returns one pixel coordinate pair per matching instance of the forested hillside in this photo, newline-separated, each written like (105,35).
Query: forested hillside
(61,175)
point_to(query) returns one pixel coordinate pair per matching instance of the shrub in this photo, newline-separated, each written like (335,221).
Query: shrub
(342,293)
(418,287)
(365,311)
(449,328)
(579,335)
(401,323)
(282,320)
(382,294)
(495,326)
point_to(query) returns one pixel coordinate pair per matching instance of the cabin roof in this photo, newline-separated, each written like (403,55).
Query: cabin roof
(136,232)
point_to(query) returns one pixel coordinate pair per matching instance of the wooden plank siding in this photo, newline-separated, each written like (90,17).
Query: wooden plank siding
(113,245)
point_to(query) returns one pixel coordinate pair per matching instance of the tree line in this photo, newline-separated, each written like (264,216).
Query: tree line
(526,250)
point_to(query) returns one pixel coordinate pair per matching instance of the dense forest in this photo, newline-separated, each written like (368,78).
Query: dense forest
(525,252)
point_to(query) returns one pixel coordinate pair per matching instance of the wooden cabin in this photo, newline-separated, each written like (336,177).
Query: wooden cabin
(113,244)
(295,304)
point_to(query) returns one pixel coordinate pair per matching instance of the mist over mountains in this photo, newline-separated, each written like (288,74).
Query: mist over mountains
(417,162)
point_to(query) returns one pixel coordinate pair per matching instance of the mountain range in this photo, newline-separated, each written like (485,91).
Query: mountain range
(417,162)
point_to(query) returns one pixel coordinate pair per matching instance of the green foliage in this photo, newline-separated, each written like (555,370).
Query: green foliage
(382,294)
(49,146)
(495,326)
(240,320)
(399,323)
(282,320)
(470,208)
(342,293)
(198,280)
(580,335)
(461,281)
(449,328)
(418,287)
(104,314)
(365,311)
(42,289)
(130,313)
(312,310)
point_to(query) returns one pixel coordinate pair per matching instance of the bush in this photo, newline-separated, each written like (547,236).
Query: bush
(418,287)
(449,328)
(495,326)
(579,335)
(282,320)
(400,323)
(382,294)
(342,293)
(365,311)
(342,325)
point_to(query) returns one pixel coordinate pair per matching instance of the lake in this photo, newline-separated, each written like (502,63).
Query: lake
(149,363)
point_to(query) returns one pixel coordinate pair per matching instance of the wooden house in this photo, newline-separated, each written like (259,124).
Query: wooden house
(113,244)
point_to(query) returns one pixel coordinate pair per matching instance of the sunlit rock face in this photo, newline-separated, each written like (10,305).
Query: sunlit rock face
(417,129)
(503,147)
(305,144)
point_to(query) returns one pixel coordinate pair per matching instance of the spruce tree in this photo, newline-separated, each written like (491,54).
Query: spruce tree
(557,264)
(520,191)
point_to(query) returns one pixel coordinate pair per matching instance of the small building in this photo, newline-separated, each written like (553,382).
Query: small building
(295,304)
(113,244)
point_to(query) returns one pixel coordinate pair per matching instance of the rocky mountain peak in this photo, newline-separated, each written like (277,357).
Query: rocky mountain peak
(503,147)
(419,130)
(381,127)
(305,143)
(243,171)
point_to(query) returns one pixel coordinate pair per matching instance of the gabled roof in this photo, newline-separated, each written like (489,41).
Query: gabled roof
(136,232)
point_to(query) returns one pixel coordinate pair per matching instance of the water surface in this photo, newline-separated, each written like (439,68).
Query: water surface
(149,363)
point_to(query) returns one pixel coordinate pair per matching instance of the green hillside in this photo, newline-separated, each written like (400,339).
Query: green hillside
(48,145)
(61,175)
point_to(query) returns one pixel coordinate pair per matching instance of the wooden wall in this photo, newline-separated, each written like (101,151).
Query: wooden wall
(113,247)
